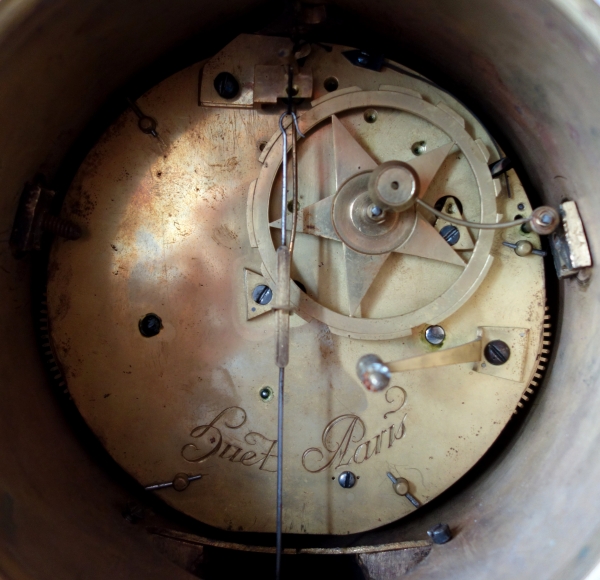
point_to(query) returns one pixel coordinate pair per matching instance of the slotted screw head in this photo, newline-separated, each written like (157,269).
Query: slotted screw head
(226,85)
(496,352)
(347,479)
(451,234)
(262,294)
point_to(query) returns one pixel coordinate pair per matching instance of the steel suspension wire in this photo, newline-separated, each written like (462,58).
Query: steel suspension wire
(475,225)
(282,304)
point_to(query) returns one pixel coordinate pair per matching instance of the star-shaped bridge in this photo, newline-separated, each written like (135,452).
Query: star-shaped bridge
(362,268)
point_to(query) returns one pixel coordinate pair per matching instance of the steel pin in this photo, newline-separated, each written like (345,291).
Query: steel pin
(145,123)
(400,486)
(524,248)
(180,482)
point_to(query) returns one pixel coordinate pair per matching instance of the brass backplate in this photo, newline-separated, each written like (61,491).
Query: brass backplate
(179,226)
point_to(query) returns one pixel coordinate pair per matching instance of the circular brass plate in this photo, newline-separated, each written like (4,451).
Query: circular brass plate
(167,232)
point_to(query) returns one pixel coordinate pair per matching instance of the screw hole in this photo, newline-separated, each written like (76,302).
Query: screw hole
(226,85)
(300,285)
(395,185)
(262,145)
(518,217)
(331,84)
(440,203)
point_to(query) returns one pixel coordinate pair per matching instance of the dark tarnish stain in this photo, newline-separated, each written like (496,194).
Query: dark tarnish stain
(228,166)
(307,222)
(8,527)
(214,195)
(325,343)
(63,307)
(82,203)
(63,348)
(225,236)
(53,270)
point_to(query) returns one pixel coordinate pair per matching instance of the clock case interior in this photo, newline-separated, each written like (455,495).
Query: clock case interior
(408,528)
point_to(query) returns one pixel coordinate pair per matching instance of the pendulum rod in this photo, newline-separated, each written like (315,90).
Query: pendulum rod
(282,305)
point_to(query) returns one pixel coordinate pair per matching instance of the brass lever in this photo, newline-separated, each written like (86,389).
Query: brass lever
(375,374)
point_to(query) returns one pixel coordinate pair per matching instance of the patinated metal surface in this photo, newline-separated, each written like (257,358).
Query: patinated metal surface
(424,545)
(172,228)
(517,520)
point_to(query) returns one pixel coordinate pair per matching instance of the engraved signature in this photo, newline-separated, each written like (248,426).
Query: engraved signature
(210,441)
(342,440)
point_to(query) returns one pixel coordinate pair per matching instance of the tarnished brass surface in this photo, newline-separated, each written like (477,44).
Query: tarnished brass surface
(192,539)
(271,83)
(172,229)
(469,352)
